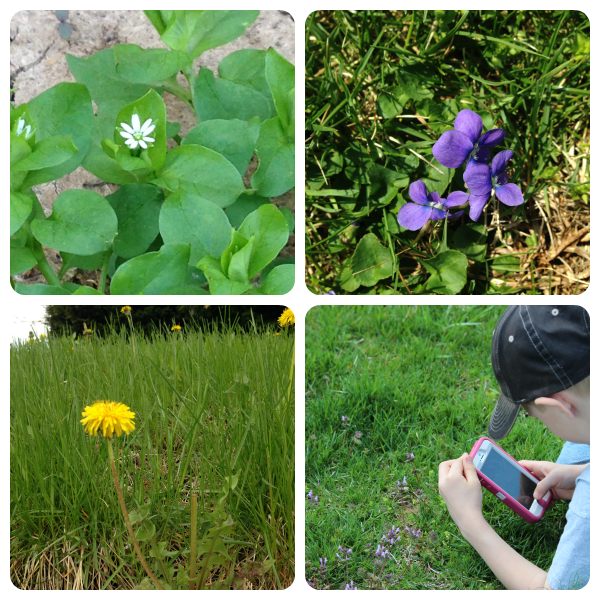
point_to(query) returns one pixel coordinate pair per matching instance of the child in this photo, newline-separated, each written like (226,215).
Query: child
(541,360)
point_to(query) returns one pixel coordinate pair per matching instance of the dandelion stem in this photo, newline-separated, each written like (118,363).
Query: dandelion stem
(138,551)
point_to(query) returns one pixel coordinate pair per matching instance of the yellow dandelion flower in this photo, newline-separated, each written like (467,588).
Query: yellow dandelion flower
(278,333)
(43,335)
(287,318)
(176,328)
(109,417)
(126,310)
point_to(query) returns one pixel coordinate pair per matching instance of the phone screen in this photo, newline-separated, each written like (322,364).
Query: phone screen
(509,478)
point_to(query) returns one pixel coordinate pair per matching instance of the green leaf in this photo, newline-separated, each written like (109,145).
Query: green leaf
(448,272)
(279,73)
(137,207)
(40,289)
(153,272)
(279,281)
(247,67)
(271,233)
(371,261)
(82,222)
(146,531)
(62,110)
(289,217)
(582,45)
(159,18)
(242,207)
(470,239)
(506,264)
(222,99)
(275,173)
(201,171)
(196,31)
(108,89)
(385,184)
(87,263)
(187,218)
(412,86)
(218,282)
(240,263)
(50,152)
(150,66)
(234,139)
(21,256)
(19,150)
(391,102)
(237,242)
(20,208)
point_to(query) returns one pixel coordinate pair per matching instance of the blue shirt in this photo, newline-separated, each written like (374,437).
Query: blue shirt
(570,568)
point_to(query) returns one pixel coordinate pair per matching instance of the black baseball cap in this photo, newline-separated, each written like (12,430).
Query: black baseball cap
(536,351)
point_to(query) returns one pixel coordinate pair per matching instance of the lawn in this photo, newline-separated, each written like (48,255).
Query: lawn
(384,384)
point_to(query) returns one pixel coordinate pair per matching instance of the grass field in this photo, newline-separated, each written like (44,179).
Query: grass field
(384,383)
(211,408)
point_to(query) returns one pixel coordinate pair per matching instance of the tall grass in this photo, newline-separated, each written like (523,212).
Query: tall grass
(208,405)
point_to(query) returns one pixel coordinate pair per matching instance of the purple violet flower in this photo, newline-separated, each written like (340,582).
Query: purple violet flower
(329,293)
(484,182)
(409,455)
(426,206)
(465,141)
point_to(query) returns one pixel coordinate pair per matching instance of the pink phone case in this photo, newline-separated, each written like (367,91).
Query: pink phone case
(494,488)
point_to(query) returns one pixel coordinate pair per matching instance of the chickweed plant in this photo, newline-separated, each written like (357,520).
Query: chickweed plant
(182,221)
(447,152)
(391,392)
(199,493)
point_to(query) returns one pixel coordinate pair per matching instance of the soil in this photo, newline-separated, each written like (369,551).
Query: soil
(38,61)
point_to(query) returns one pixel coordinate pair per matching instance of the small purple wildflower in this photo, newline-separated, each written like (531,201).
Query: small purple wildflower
(346,551)
(484,182)
(329,293)
(413,532)
(345,421)
(413,215)
(358,434)
(381,551)
(465,141)
(403,482)
(350,586)
(323,562)
(392,535)
(312,497)
(410,457)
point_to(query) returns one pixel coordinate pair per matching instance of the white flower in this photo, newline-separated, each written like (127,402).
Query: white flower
(21,127)
(137,135)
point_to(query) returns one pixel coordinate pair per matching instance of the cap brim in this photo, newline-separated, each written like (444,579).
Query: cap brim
(503,418)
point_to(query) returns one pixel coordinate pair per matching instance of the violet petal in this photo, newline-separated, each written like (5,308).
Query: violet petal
(469,123)
(509,194)
(477,204)
(437,214)
(418,192)
(499,161)
(452,149)
(492,137)
(478,179)
(413,216)
(456,199)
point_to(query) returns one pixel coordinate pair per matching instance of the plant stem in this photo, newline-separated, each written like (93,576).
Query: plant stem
(138,551)
(103,273)
(174,88)
(423,231)
(194,524)
(132,333)
(38,252)
(191,77)
(292,370)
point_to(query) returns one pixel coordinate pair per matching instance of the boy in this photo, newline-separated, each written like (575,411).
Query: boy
(541,360)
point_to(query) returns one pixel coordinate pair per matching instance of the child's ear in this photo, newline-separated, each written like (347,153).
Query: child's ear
(560,401)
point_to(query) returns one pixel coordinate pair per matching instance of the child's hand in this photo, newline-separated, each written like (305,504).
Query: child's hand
(461,490)
(559,478)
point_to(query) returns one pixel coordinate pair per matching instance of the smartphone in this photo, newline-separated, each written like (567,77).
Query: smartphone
(510,482)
